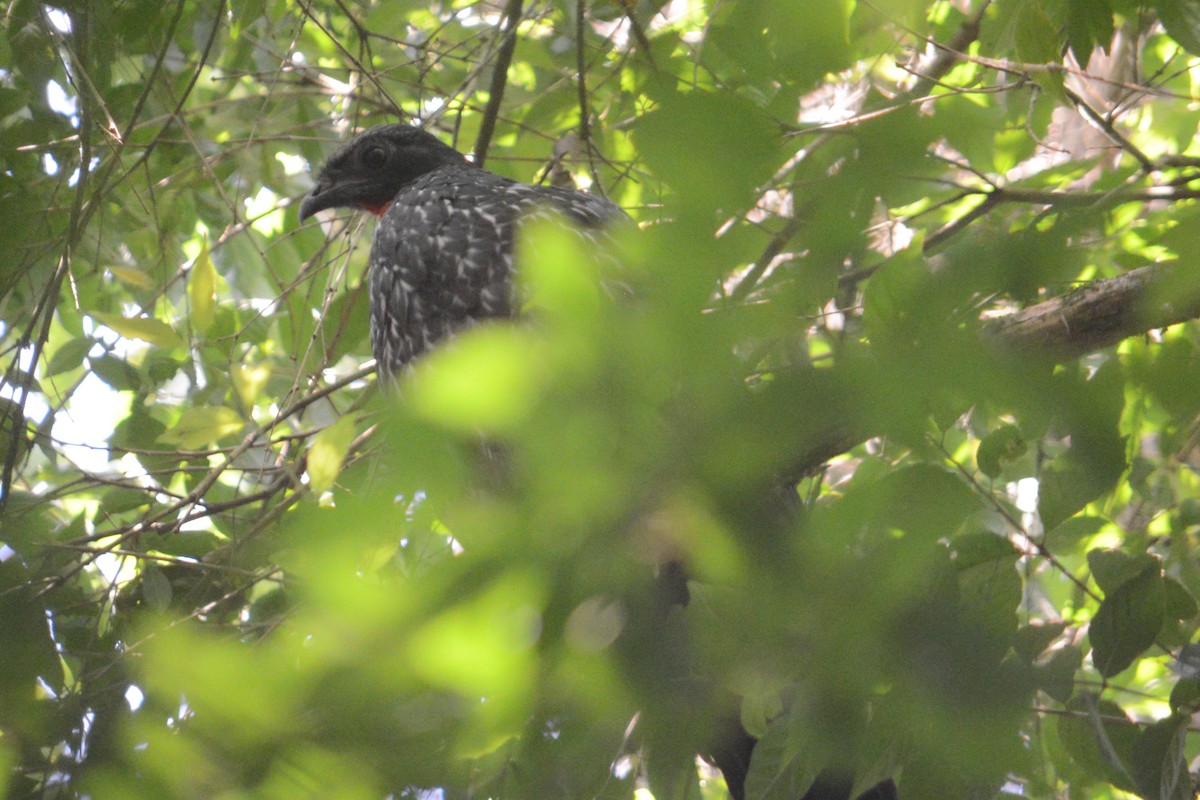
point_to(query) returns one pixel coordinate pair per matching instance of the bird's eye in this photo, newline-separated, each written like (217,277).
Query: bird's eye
(374,157)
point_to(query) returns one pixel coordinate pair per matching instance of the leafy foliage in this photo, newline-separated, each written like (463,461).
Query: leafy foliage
(231,565)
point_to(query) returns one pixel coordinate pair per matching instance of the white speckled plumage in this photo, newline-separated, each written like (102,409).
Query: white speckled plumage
(442,255)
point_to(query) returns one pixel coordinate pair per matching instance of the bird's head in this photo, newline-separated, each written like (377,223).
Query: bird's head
(370,169)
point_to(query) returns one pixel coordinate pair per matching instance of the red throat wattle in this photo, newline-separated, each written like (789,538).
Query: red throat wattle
(377,209)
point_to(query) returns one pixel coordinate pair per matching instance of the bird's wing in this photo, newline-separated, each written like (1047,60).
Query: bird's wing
(441,260)
(442,255)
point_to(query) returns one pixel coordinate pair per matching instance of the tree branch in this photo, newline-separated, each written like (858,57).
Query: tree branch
(487,125)
(1090,318)
(1101,313)
(943,57)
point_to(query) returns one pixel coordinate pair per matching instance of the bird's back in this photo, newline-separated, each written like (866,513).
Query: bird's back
(442,255)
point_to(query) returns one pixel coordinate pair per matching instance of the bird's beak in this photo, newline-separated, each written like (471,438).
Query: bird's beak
(316,200)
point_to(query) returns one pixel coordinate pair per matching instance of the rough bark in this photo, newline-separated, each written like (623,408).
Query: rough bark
(1090,318)
(1102,313)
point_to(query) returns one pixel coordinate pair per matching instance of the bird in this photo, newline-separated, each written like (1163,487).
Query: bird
(442,255)
(442,260)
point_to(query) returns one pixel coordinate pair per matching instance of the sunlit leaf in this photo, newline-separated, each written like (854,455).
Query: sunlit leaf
(484,649)
(327,451)
(146,329)
(202,426)
(488,380)
(249,380)
(202,288)
(133,277)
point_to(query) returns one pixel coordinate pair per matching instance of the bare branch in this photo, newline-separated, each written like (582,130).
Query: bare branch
(1088,319)
(487,124)
(1102,313)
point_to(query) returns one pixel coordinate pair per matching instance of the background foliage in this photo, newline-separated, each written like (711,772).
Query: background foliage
(231,567)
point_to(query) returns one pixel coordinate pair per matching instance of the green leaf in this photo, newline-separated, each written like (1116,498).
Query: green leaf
(203,425)
(156,589)
(133,277)
(1185,696)
(892,302)
(487,380)
(1033,639)
(327,452)
(202,290)
(1099,737)
(1056,675)
(249,380)
(1089,23)
(69,356)
(1180,603)
(145,329)
(1064,489)
(138,431)
(782,768)
(1181,18)
(123,498)
(1074,529)
(976,549)
(1160,760)
(1001,445)
(557,277)
(1038,42)
(29,650)
(117,373)
(11,101)
(1111,568)
(800,42)
(729,148)
(1036,39)
(1127,622)
(483,646)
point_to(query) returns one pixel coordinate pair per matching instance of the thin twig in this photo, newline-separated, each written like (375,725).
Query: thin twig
(585,131)
(487,124)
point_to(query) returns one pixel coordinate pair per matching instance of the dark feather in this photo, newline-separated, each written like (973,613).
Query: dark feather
(442,257)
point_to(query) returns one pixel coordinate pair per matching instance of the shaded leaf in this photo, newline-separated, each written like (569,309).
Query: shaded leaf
(116,372)
(1056,675)
(1099,737)
(1160,760)
(1181,18)
(1033,639)
(782,768)
(69,356)
(156,589)
(1127,622)
(1001,445)
(1111,568)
